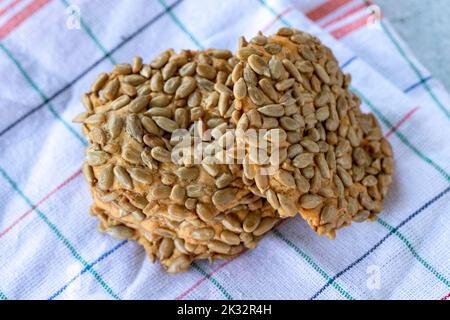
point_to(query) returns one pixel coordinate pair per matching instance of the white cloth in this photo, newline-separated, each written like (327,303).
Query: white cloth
(49,245)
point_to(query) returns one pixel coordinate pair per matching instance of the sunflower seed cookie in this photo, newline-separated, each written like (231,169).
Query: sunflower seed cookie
(156,162)
(333,165)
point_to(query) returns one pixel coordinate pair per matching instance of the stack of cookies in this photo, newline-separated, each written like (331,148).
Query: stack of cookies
(198,154)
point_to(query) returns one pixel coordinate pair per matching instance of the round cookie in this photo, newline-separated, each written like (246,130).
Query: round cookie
(333,165)
(179,208)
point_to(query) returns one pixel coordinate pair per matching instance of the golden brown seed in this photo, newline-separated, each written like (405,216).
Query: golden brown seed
(166,248)
(218,246)
(160,154)
(99,82)
(134,127)
(203,234)
(141,175)
(328,214)
(111,89)
(231,223)
(252,221)
(123,177)
(287,205)
(166,124)
(97,158)
(224,196)
(240,89)
(179,264)
(258,65)
(120,102)
(272,110)
(230,238)
(139,104)
(310,201)
(106,178)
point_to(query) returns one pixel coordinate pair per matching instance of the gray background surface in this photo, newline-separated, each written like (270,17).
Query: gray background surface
(425,26)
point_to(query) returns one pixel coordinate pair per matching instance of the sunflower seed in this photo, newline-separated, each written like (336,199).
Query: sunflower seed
(95,119)
(134,127)
(304,66)
(120,102)
(178,194)
(122,68)
(272,48)
(272,198)
(388,165)
(232,223)
(310,201)
(307,53)
(178,212)
(276,68)
(188,85)
(219,246)
(224,180)
(272,110)
(361,216)
(321,73)
(205,84)
(166,248)
(288,207)
(366,201)
(171,85)
(166,124)
(265,225)
(245,53)
(188,69)
(160,191)
(179,264)
(310,145)
(258,65)
(139,104)
(146,71)
(224,101)
(224,196)
(323,166)
(205,211)
(150,126)
(203,234)
(230,238)
(88,173)
(134,79)
(206,71)
(283,85)
(303,160)
(99,82)
(168,70)
(285,32)
(302,183)
(345,176)
(328,214)
(240,89)
(141,175)
(120,232)
(97,158)
(160,60)
(106,178)
(111,89)
(123,177)
(160,154)
(292,70)
(285,178)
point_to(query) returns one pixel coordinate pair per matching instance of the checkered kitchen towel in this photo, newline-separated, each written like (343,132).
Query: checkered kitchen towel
(49,246)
